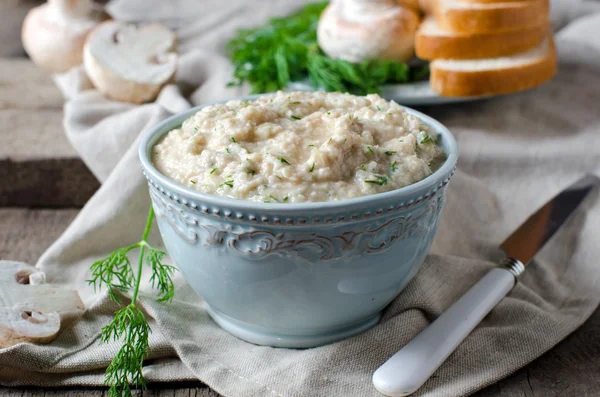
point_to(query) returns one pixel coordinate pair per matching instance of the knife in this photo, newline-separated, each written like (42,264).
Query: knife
(407,370)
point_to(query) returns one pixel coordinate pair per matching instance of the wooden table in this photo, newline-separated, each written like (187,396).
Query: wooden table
(38,173)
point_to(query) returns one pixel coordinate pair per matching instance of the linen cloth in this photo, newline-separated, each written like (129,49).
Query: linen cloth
(516,152)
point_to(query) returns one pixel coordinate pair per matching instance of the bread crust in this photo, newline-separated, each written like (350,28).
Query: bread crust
(509,16)
(479,45)
(460,83)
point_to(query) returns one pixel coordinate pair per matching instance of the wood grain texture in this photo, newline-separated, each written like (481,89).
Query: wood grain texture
(48,183)
(38,166)
(31,112)
(25,234)
(571,369)
(12,13)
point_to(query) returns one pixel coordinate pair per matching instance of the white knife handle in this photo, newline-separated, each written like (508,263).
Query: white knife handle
(407,370)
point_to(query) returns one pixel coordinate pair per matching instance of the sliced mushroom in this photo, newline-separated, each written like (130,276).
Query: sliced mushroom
(130,64)
(28,310)
(27,326)
(54,33)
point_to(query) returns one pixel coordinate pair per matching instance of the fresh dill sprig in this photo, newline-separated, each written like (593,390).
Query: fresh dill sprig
(426,139)
(284,50)
(380,180)
(130,325)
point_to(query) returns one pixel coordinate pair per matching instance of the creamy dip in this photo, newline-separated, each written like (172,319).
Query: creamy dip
(298,147)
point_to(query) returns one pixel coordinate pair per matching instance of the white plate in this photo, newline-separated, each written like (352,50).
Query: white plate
(409,94)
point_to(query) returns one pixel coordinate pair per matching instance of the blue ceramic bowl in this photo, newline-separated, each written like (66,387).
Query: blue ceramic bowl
(297,275)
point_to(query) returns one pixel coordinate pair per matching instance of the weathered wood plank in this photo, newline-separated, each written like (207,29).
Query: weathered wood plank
(12,13)
(38,166)
(31,111)
(25,234)
(49,183)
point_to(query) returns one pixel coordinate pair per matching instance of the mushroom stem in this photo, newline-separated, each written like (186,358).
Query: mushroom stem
(72,8)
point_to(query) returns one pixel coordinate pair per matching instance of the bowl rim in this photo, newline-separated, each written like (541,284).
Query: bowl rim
(153,134)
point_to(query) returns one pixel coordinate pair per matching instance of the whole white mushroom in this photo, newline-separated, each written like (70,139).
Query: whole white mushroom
(357,30)
(54,33)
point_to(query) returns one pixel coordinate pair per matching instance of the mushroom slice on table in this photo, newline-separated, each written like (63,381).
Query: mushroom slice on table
(130,64)
(53,33)
(29,310)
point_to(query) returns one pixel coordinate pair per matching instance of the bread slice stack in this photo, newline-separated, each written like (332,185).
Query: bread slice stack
(486,47)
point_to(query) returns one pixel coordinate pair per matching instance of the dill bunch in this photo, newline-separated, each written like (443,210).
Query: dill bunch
(286,50)
(130,324)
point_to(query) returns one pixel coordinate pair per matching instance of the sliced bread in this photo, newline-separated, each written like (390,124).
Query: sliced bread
(433,42)
(477,17)
(494,75)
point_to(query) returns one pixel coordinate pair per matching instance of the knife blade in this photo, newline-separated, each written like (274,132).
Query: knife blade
(545,222)
(407,370)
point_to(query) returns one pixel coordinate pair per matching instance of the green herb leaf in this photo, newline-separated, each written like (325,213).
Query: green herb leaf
(381,180)
(389,153)
(286,198)
(212,171)
(192,182)
(285,49)
(295,117)
(130,324)
(312,167)
(284,161)
(368,149)
(233,140)
(228,182)
(161,278)
(427,140)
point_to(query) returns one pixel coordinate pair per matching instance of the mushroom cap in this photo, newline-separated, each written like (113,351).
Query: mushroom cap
(130,64)
(54,41)
(356,31)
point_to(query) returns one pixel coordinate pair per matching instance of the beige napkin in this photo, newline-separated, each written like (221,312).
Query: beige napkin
(515,153)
